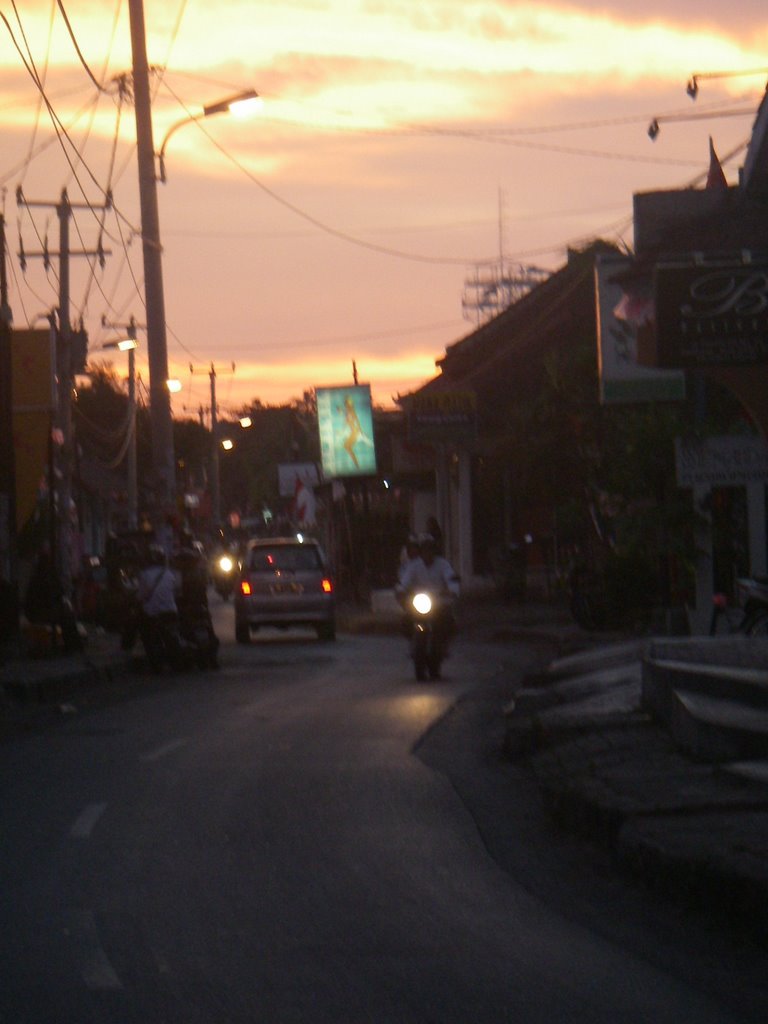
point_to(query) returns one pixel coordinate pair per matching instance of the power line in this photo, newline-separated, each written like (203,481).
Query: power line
(77,46)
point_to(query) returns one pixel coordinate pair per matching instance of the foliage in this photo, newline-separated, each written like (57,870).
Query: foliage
(609,473)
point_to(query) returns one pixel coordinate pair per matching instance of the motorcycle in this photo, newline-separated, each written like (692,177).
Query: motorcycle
(162,641)
(178,641)
(198,641)
(430,624)
(223,574)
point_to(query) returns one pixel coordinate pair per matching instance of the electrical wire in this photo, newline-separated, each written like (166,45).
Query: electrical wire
(22,166)
(39,109)
(59,128)
(78,51)
(363,243)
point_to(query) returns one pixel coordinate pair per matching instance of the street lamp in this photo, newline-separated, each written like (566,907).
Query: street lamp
(164,462)
(130,345)
(241,103)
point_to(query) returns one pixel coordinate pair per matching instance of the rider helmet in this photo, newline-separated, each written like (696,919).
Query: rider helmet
(157,555)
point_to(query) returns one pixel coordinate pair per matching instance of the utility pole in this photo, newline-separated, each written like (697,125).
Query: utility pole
(9,569)
(68,361)
(164,462)
(215,475)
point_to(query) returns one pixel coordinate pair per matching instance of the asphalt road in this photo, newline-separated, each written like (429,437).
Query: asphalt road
(308,835)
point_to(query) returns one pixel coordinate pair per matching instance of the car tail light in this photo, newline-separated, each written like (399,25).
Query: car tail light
(327,586)
(245,588)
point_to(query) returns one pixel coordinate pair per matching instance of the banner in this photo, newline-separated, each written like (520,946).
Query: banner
(297,480)
(621,314)
(345,425)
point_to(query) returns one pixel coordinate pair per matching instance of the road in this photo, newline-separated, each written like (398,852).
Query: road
(308,835)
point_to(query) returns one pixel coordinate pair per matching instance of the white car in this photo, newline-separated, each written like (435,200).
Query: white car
(284,581)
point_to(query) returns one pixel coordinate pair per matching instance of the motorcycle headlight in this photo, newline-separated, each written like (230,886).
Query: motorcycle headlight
(226,564)
(422,603)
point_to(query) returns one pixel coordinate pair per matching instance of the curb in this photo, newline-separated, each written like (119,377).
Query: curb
(618,780)
(53,686)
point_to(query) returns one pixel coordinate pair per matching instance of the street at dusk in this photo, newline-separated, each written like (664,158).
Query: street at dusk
(383,512)
(308,835)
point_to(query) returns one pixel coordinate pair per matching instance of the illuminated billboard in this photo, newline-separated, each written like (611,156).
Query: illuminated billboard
(345,425)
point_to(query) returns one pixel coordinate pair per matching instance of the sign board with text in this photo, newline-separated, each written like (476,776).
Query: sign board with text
(712,314)
(443,416)
(721,461)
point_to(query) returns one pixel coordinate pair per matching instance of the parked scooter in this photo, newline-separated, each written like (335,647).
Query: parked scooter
(178,641)
(199,643)
(161,640)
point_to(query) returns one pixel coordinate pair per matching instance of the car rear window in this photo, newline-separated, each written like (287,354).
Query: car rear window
(285,558)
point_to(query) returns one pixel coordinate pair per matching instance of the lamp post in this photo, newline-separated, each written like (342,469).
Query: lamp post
(241,102)
(130,345)
(157,347)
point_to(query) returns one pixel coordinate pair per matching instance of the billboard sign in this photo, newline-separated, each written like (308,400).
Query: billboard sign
(712,314)
(345,425)
(621,315)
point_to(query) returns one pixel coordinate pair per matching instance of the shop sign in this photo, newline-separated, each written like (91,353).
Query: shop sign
(712,314)
(721,461)
(443,416)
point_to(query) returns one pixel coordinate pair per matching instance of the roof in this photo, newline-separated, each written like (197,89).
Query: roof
(547,315)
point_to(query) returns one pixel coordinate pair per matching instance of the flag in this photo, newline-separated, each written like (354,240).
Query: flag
(715,176)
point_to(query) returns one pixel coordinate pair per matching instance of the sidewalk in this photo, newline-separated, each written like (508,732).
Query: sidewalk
(611,772)
(31,687)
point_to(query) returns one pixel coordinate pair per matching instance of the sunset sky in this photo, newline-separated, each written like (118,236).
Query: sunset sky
(400,144)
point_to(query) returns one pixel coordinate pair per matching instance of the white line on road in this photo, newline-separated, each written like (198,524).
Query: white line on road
(85,821)
(97,972)
(166,748)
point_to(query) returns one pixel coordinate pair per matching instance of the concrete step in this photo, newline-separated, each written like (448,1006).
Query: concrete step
(717,729)
(662,677)
(752,771)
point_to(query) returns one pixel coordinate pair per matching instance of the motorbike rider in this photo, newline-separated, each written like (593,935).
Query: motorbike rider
(434,573)
(408,554)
